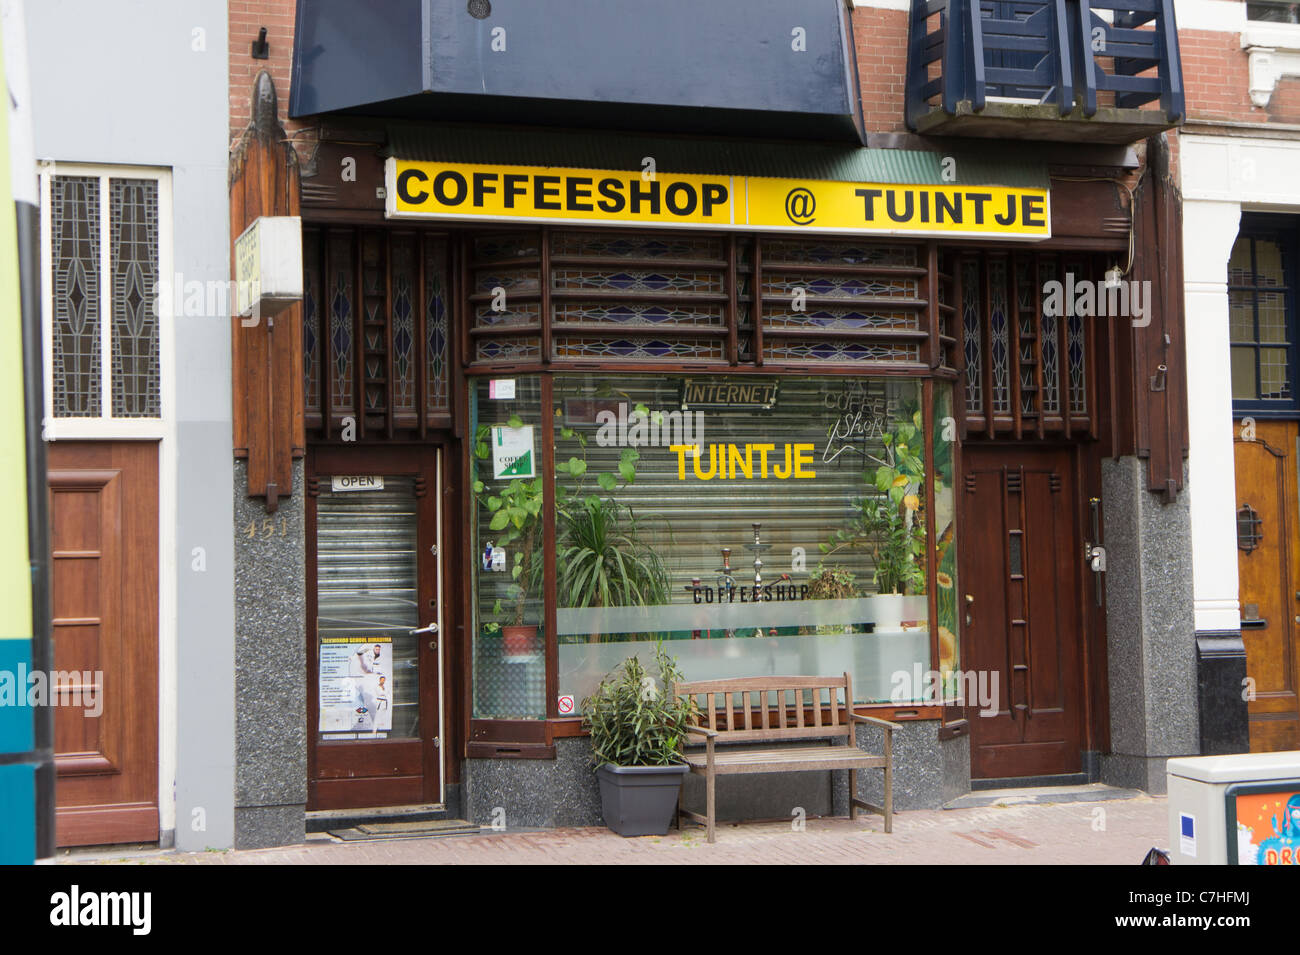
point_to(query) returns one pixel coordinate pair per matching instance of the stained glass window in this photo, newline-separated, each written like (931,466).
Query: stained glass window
(74,237)
(970,323)
(1050,333)
(637,280)
(1025,309)
(802,349)
(340,322)
(999,343)
(403,328)
(1076,357)
(644,246)
(134,255)
(106,298)
(435,325)
(311,298)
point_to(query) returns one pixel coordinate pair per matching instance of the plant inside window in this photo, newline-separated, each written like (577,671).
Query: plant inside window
(603,560)
(889,520)
(517,517)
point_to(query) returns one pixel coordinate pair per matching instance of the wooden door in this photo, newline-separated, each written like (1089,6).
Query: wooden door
(1019,549)
(1268,562)
(375,627)
(104,548)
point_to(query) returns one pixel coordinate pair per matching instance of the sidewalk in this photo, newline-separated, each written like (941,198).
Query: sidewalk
(1115,832)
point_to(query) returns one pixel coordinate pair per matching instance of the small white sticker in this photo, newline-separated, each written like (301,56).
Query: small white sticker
(1187,834)
(502,389)
(498,560)
(566,705)
(357,482)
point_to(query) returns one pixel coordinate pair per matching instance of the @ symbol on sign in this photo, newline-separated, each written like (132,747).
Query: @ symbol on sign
(800,204)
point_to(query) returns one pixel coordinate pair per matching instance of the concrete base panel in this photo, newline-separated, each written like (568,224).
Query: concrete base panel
(1146,773)
(526,793)
(261,827)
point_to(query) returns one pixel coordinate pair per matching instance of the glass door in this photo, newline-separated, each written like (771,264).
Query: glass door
(374,648)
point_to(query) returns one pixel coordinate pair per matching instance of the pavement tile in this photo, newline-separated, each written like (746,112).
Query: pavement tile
(1111,832)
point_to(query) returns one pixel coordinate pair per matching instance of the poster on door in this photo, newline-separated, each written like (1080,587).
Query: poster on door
(356,686)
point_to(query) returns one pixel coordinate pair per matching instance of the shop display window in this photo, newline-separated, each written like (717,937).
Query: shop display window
(760,525)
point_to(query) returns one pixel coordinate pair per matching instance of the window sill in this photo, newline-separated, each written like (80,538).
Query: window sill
(1274,52)
(104,429)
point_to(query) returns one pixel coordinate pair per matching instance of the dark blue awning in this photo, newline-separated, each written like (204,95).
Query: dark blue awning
(760,68)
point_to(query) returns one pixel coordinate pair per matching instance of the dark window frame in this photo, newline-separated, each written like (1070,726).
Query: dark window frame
(1285,230)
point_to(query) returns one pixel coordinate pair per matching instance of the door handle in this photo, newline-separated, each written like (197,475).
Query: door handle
(431,628)
(970,602)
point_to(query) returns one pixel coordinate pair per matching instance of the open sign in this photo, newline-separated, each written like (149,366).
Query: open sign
(357,482)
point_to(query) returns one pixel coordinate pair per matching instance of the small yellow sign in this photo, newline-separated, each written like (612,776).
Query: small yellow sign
(603,196)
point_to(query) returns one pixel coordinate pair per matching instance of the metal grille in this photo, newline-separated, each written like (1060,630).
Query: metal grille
(1249,528)
(691,520)
(366,580)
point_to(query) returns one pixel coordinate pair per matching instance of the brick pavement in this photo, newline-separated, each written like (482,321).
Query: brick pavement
(1112,832)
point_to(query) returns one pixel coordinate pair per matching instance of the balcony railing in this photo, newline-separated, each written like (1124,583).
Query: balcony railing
(1044,69)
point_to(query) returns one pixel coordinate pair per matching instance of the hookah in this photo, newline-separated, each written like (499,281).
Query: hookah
(758,547)
(726,582)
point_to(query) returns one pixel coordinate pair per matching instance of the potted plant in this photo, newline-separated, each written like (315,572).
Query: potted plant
(638,729)
(831,583)
(517,516)
(890,523)
(602,559)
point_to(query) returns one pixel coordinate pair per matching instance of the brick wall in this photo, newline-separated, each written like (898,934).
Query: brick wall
(880,38)
(246,18)
(1216,77)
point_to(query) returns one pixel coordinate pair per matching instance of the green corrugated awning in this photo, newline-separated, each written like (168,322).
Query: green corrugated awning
(781,160)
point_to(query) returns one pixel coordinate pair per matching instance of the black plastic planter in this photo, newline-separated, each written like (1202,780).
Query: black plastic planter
(639,800)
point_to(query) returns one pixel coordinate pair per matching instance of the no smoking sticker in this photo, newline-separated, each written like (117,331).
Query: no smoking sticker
(566,705)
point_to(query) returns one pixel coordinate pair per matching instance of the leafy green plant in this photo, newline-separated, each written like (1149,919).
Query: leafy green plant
(635,720)
(604,563)
(602,558)
(889,521)
(517,516)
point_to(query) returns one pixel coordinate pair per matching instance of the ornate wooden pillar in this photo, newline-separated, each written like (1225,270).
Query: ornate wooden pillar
(266,355)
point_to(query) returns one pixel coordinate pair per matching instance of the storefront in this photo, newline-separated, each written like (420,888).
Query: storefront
(534,449)
(786,407)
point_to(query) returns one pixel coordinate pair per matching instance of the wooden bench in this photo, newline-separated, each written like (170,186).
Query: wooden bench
(782,709)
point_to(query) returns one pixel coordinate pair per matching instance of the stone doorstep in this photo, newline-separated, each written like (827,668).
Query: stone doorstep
(1041,795)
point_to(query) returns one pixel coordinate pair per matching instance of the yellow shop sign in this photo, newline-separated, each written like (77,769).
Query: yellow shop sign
(461,191)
